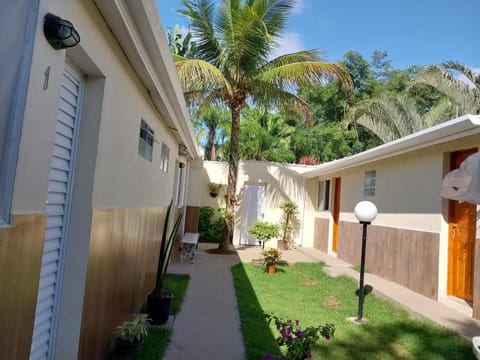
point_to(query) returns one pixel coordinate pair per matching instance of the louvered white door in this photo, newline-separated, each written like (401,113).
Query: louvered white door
(58,206)
(253,210)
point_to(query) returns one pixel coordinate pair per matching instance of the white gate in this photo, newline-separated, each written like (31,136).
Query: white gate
(58,207)
(253,209)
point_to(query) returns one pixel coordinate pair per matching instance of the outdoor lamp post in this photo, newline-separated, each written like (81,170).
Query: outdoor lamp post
(366,212)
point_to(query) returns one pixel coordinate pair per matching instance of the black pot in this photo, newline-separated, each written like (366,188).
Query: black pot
(126,350)
(158,307)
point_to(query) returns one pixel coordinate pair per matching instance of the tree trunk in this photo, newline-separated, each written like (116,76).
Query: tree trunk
(211,144)
(232,177)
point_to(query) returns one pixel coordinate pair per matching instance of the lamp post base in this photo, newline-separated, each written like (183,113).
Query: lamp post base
(356,320)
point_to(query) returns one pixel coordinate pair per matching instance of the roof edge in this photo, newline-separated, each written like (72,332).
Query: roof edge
(450,130)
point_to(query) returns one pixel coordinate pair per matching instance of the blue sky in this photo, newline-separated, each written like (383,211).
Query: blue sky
(413,32)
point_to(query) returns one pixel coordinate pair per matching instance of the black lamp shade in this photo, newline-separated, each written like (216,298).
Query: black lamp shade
(60,33)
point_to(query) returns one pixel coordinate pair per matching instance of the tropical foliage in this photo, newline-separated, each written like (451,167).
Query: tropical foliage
(234,45)
(444,77)
(395,116)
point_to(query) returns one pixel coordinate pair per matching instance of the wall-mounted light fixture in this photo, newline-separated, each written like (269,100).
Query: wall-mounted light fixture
(60,33)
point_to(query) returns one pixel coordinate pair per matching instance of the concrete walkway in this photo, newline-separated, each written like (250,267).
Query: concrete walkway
(208,325)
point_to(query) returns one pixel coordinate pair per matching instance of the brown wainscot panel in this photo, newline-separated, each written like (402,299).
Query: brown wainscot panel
(191,219)
(320,240)
(122,264)
(407,257)
(178,240)
(21,247)
(476,281)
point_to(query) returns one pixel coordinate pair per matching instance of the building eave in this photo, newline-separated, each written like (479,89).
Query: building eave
(451,130)
(137,27)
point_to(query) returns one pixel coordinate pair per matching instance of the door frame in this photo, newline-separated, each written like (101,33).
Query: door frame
(336,211)
(452,231)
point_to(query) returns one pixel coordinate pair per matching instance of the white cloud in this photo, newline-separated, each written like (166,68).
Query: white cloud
(288,43)
(298,6)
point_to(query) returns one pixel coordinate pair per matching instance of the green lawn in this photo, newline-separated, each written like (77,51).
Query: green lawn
(158,338)
(304,292)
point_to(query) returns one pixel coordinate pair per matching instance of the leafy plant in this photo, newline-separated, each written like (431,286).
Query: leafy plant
(264,231)
(214,188)
(133,331)
(297,340)
(271,256)
(210,226)
(290,209)
(166,249)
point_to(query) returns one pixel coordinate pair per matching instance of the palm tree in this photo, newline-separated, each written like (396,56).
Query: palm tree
(235,40)
(213,121)
(391,117)
(465,95)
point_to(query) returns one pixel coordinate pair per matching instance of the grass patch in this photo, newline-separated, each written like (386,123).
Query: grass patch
(306,293)
(158,338)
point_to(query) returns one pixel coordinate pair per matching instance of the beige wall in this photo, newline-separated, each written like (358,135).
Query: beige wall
(110,175)
(120,170)
(284,183)
(407,195)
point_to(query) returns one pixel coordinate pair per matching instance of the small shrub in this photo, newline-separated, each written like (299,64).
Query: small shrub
(210,225)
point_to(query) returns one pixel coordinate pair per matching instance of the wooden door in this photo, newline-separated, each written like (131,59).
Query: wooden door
(461,246)
(336,212)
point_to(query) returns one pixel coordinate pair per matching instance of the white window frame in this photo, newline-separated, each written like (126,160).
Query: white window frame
(145,141)
(370,183)
(164,157)
(323,201)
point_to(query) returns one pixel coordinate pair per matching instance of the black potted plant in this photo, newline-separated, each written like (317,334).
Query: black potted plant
(159,302)
(131,335)
(214,189)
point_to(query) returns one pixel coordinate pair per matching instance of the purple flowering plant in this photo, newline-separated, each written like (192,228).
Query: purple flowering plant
(298,341)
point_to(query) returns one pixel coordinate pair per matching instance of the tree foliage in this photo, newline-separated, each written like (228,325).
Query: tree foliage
(234,44)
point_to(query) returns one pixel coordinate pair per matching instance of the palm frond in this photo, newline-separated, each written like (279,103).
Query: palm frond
(467,97)
(438,114)
(286,103)
(199,75)
(290,76)
(465,70)
(201,17)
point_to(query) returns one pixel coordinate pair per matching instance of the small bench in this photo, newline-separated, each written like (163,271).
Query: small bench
(189,244)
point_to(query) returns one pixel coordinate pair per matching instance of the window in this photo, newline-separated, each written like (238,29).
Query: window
(370,182)
(324,195)
(164,157)
(145,143)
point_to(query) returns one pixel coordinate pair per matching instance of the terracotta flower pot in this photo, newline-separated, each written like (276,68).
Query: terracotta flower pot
(282,245)
(271,269)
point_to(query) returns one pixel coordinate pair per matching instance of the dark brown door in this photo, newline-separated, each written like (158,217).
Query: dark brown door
(462,221)
(336,211)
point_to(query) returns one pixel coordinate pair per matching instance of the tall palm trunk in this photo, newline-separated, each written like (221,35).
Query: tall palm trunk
(211,143)
(235,109)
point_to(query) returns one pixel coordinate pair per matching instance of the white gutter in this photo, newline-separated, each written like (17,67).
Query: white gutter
(451,130)
(139,31)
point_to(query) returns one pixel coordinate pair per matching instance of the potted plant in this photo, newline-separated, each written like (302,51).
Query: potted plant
(264,231)
(289,211)
(214,189)
(271,257)
(158,301)
(131,334)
